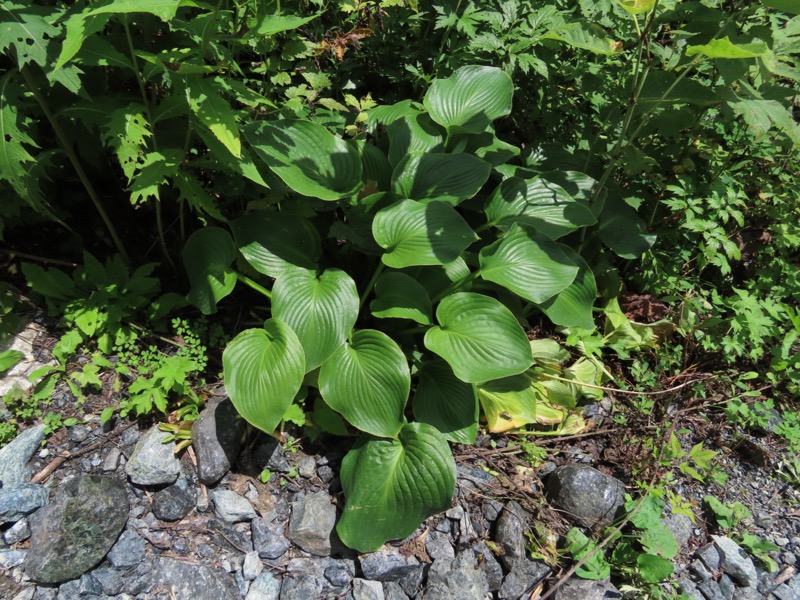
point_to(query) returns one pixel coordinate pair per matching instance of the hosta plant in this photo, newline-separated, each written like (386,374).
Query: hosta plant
(401,270)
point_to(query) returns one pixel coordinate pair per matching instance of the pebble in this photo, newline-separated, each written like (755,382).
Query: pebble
(587,496)
(153,462)
(265,587)
(15,455)
(217,439)
(312,522)
(268,538)
(509,535)
(79,433)
(366,590)
(173,503)
(387,564)
(252,566)
(21,500)
(231,507)
(735,562)
(128,551)
(19,532)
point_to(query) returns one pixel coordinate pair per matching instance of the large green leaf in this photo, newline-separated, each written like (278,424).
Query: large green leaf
(725,48)
(375,167)
(585,36)
(529,264)
(273,242)
(414,233)
(448,178)
(367,380)
(538,203)
(214,112)
(28,28)
(270,24)
(508,403)
(391,486)
(446,402)
(399,296)
(624,231)
(207,257)
(479,337)
(308,158)
(572,306)
(264,369)
(321,309)
(470,99)
(417,133)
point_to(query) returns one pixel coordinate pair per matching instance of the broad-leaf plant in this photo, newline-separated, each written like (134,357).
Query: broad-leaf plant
(400,270)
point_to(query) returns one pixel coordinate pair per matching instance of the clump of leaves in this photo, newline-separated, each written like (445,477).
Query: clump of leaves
(730,517)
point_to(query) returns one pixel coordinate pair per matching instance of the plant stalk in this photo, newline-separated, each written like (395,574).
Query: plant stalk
(455,285)
(76,164)
(371,284)
(256,286)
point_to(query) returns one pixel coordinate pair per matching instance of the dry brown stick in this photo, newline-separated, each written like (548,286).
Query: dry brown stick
(630,392)
(59,460)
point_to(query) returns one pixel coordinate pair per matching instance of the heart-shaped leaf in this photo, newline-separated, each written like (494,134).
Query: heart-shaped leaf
(367,381)
(446,402)
(508,403)
(529,264)
(470,99)
(375,168)
(391,486)
(479,337)
(539,203)
(413,133)
(572,306)
(273,242)
(308,158)
(207,257)
(264,369)
(399,296)
(320,309)
(448,178)
(414,233)
(623,230)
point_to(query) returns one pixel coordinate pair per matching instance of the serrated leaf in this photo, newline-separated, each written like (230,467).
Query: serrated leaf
(529,264)
(391,486)
(449,178)
(51,283)
(97,51)
(321,309)
(538,203)
(508,403)
(399,296)
(470,99)
(126,132)
(585,36)
(446,402)
(207,257)
(367,381)
(415,234)
(214,112)
(572,306)
(264,370)
(27,27)
(152,172)
(308,158)
(479,337)
(724,48)
(271,24)
(273,242)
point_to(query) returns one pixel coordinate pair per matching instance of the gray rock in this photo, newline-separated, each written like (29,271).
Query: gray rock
(79,433)
(19,532)
(300,587)
(269,455)
(26,594)
(339,573)
(747,593)
(491,568)
(699,571)
(111,461)
(12,558)
(173,503)
(268,538)
(217,439)
(367,590)
(522,578)
(510,534)
(15,455)
(456,578)
(393,591)
(387,564)
(491,509)
(252,566)
(586,495)
(21,500)
(411,582)
(71,590)
(735,562)
(265,587)
(306,466)
(784,592)
(90,586)
(727,587)
(709,555)
(232,507)
(585,589)
(312,522)
(76,530)
(472,479)
(681,528)
(110,580)
(153,462)
(438,546)
(192,582)
(129,550)
(710,590)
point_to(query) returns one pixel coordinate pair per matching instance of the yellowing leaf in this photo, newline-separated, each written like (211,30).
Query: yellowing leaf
(724,48)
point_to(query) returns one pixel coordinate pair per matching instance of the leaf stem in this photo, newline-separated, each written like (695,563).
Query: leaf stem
(256,286)
(455,285)
(76,164)
(371,284)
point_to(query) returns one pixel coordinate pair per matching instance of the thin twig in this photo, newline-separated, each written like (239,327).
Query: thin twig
(630,392)
(41,259)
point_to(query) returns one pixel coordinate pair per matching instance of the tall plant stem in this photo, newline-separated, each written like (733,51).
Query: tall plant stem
(371,284)
(76,164)
(256,286)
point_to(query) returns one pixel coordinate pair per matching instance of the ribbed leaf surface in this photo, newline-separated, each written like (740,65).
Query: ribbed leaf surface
(367,381)
(449,178)
(446,402)
(207,256)
(391,486)
(320,309)
(529,264)
(479,338)
(414,234)
(572,306)
(264,369)
(401,297)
